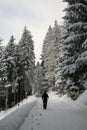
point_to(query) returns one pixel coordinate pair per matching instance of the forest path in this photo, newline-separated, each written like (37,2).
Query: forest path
(59,115)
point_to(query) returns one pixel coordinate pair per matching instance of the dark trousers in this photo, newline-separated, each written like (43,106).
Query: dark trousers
(44,104)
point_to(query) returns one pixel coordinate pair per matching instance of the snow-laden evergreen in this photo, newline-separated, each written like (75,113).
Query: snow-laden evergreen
(60,80)
(17,64)
(64,60)
(11,83)
(27,61)
(50,53)
(75,64)
(3,76)
(39,75)
(47,55)
(11,61)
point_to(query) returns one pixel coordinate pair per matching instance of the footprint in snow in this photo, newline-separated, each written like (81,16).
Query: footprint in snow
(32,121)
(32,128)
(38,123)
(40,114)
(36,119)
(32,115)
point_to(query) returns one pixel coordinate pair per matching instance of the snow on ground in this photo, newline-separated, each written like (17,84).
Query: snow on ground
(58,98)
(60,115)
(14,117)
(3,114)
(81,102)
(82,99)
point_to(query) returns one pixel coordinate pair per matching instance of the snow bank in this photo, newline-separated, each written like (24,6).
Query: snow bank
(53,95)
(82,100)
(3,114)
(58,98)
(65,98)
(16,118)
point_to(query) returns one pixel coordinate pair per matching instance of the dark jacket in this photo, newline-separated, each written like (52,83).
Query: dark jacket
(45,96)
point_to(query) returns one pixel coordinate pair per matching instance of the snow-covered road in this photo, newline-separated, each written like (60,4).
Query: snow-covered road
(59,115)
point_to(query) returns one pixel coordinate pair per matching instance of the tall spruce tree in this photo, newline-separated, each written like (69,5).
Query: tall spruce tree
(1,62)
(60,81)
(50,53)
(39,77)
(27,61)
(74,64)
(3,76)
(10,54)
(55,48)
(46,54)
(11,70)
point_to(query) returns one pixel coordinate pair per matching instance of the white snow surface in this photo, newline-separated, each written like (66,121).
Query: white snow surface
(62,114)
(12,119)
(82,101)
(30,99)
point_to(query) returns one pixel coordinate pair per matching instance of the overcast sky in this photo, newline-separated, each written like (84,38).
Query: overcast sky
(37,15)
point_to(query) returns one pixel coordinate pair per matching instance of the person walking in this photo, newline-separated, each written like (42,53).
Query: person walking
(45,99)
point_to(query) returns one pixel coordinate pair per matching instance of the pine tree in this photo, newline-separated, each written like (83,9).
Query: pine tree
(11,70)
(10,54)
(1,61)
(50,54)
(55,49)
(3,76)
(60,81)
(39,76)
(27,61)
(48,57)
(74,65)
(46,51)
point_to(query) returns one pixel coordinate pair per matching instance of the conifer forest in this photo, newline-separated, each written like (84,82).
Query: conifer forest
(63,65)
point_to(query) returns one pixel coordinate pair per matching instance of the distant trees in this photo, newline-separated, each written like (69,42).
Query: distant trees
(39,75)
(49,53)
